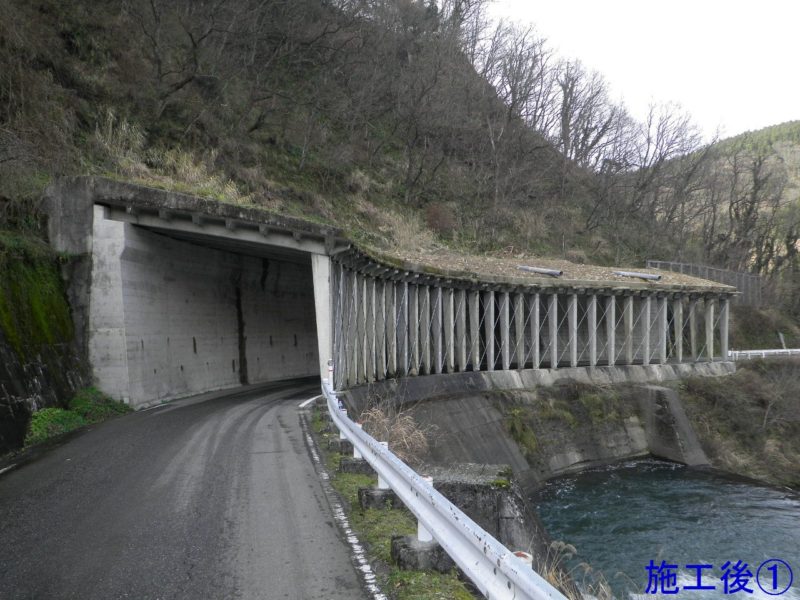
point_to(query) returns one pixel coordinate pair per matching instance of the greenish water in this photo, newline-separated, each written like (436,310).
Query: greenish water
(620,518)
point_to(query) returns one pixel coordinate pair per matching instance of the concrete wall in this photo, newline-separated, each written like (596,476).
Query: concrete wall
(169,318)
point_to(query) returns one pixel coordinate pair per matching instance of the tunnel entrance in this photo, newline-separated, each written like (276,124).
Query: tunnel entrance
(177,295)
(195,313)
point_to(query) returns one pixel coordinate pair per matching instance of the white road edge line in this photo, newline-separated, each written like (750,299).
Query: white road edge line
(8,468)
(305,403)
(358,552)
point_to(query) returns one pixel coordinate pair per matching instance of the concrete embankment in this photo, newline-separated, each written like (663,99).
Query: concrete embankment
(550,430)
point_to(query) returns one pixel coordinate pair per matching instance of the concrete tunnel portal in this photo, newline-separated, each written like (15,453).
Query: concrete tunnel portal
(176,296)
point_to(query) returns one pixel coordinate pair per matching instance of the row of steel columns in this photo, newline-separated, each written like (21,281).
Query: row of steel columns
(385,328)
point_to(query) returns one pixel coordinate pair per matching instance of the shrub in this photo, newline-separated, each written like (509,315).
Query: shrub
(94,406)
(50,422)
(89,405)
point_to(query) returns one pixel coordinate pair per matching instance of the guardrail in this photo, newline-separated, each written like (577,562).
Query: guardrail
(492,567)
(751,354)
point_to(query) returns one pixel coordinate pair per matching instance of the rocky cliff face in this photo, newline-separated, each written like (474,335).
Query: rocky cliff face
(39,364)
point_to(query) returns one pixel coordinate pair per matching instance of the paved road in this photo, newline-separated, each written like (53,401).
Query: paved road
(205,498)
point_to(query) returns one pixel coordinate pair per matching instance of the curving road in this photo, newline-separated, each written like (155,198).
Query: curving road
(212,497)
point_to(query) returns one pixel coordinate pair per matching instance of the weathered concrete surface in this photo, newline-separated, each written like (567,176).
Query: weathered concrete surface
(411,554)
(210,497)
(174,295)
(378,499)
(567,432)
(411,389)
(167,318)
(321,271)
(669,433)
(492,499)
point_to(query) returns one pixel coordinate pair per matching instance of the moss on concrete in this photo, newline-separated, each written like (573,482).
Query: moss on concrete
(33,306)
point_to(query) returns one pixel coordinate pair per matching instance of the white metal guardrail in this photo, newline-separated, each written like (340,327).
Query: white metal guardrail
(492,567)
(751,354)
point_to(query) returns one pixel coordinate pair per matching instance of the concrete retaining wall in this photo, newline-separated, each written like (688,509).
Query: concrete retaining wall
(568,430)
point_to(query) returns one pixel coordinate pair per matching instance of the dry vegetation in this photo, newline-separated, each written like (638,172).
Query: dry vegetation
(420,128)
(390,422)
(749,422)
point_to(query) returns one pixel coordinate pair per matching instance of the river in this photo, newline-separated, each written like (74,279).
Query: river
(621,517)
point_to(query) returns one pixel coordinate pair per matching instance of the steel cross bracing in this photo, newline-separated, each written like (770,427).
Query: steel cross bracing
(388,326)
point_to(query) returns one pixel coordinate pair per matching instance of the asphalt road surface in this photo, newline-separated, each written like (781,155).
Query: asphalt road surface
(212,497)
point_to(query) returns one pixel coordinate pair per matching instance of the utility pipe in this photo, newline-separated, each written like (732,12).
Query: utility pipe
(648,276)
(541,271)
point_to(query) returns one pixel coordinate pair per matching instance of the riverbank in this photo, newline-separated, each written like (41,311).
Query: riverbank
(749,423)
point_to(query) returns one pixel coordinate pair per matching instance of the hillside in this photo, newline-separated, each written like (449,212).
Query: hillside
(415,126)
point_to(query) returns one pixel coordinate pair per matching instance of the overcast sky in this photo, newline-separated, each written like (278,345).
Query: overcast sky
(732,65)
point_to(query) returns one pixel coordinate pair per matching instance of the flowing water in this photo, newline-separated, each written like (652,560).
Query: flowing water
(620,518)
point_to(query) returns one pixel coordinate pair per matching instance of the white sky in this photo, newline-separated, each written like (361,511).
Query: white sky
(733,65)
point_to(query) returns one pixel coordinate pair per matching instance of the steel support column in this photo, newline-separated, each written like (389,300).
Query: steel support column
(552,322)
(611,330)
(474,329)
(488,328)
(519,330)
(505,331)
(461,329)
(572,318)
(591,317)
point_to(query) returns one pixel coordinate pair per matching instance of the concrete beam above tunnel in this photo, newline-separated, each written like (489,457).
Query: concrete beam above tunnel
(248,236)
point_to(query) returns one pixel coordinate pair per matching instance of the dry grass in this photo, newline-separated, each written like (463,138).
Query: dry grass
(408,439)
(556,571)
(123,145)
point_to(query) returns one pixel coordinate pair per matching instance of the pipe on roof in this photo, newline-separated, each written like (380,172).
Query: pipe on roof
(541,270)
(648,276)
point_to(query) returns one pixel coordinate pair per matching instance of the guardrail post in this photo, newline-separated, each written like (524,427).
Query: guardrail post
(382,485)
(342,436)
(356,452)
